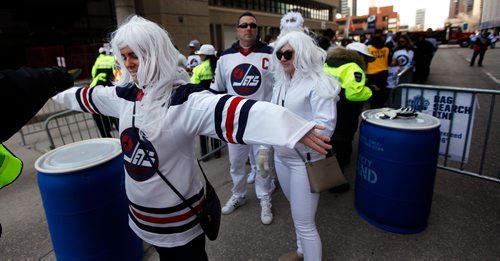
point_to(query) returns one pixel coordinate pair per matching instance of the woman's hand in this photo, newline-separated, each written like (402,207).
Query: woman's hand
(316,141)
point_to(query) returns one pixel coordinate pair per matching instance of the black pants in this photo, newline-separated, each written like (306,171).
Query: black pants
(481,56)
(378,97)
(192,251)
(104,124)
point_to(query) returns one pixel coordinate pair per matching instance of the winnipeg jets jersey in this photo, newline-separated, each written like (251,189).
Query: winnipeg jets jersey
(156,214)
(245,72)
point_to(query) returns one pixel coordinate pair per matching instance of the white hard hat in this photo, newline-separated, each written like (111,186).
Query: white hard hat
(206,49)
(361,48)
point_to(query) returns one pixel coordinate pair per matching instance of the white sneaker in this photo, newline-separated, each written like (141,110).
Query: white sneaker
(251,177)
(266,215)
(233,203)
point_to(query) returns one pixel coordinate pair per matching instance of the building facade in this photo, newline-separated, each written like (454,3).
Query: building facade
(466,14)
(383,18)
(44,33)
(490,16)
(420,19)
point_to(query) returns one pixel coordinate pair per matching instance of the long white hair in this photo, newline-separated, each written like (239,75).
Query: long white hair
(157,70)
(308,62)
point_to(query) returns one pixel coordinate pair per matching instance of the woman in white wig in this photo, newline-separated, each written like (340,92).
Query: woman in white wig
(302,86)
(160,117)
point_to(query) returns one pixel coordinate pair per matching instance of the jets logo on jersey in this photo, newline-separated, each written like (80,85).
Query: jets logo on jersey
(403,60)
(137,162)
(245,79)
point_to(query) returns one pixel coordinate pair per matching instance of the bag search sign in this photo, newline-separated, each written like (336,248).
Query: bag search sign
(454,109)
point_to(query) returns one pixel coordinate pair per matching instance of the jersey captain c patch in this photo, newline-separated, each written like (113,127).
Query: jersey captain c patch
(245,79)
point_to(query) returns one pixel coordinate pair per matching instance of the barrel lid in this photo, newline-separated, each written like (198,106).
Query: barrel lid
(79,155)
(421,121)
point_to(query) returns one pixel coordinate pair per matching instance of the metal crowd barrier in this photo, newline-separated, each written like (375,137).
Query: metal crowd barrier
(469,144)
(69,126)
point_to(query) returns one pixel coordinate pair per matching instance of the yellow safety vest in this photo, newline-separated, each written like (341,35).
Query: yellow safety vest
(10,167)
(103,62)
(352,78)
(202,72)
(381,62)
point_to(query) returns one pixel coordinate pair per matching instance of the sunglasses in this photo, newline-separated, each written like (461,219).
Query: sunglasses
(245,25)
(286,54)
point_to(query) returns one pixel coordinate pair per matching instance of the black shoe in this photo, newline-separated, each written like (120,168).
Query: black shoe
(340,189)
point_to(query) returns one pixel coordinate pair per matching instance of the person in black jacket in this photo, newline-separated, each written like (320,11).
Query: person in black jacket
(481,44)
(31,87)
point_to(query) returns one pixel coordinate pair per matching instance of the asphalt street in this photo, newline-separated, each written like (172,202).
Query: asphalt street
(463,222)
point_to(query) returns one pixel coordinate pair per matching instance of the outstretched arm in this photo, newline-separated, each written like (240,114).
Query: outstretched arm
(316,141)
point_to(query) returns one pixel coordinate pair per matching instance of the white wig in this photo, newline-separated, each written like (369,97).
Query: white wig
(157,66)
(308,62)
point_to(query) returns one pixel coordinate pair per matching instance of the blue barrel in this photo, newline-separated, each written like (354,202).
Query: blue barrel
(83,192)
(396,168)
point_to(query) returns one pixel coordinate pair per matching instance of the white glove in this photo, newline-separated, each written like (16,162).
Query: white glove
(264,158)
(402,113)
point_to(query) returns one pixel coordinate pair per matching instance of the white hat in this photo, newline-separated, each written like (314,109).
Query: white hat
(206,49)
(361,48)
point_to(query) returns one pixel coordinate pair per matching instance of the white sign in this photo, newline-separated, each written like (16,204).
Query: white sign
(457,111)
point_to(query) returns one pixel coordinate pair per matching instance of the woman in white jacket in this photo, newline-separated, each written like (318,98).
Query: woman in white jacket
(303,87)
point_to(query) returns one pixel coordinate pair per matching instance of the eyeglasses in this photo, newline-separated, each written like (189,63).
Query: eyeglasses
(286,54)
(245,25)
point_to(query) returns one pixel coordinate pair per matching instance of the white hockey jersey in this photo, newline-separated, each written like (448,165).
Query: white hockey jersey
(156,214)
(244,72)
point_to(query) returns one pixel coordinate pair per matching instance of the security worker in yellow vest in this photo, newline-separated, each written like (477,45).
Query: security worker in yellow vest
(204,72)
(347,66)
(203,75)
(32,88)
(103,73)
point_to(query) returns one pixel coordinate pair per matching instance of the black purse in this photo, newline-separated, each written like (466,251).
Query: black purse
(210,214)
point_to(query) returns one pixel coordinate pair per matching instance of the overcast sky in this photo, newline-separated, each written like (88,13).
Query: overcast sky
(436,11)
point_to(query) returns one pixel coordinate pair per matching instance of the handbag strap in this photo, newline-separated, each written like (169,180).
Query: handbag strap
(300,155)
(160,173)
(308,161)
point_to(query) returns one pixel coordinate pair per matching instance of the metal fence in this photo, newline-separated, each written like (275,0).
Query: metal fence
(69,126)
(469,142)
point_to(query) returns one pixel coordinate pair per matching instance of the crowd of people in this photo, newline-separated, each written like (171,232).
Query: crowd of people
(297,96)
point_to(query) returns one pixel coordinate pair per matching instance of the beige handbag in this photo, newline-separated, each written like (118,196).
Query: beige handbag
(323,174)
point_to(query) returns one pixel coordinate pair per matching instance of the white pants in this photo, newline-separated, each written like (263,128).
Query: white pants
(238,155)
(294,182)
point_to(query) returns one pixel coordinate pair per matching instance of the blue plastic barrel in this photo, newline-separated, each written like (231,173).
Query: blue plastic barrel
(83,192)
(396,168)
